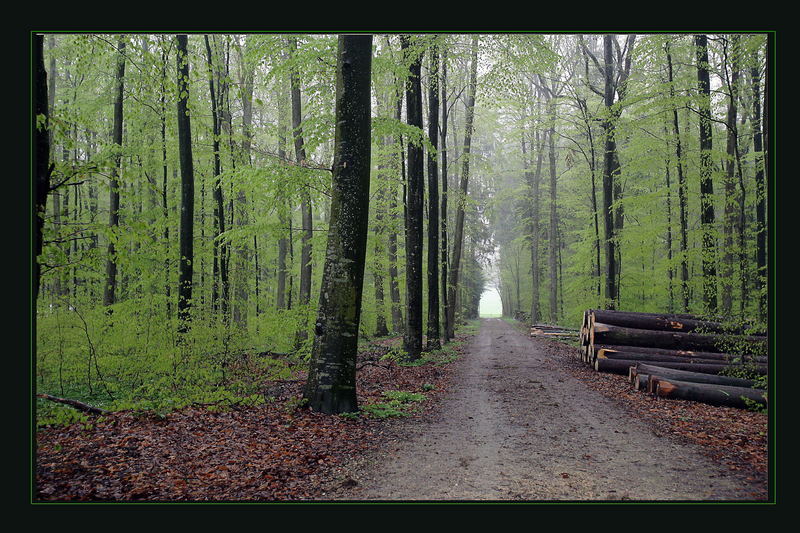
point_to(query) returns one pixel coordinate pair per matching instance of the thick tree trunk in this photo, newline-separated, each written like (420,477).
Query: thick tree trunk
(609,334)
(433,342)
(693,377)
(332,373)
(721,395)
(459,229)
(109,292)
(610,168)
(657,358)
(706,179)
(415,211)
(663,322)
(690,354)
(622,366)
(185,269)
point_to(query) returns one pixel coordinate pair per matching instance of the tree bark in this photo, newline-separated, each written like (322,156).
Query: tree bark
(445,179)
(109,292)
(609,334)
(664,322)
(610,168)
(706,178)
(433,342)
(731,197)
(331,385)
(682,202)
(185,269)
(415,211)
(693,377)
(721,395)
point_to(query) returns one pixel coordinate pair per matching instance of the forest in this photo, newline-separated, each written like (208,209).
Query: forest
(213,211)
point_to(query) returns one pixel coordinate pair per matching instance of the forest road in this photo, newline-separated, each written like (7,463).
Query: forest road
(514,426)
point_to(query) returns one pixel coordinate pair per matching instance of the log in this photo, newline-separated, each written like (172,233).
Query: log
(640,382)
(666,322)
(671,352)
(610,334)
(614,366)
(80,406)
(620,366)
(633,356)
(694,377)
(711,394)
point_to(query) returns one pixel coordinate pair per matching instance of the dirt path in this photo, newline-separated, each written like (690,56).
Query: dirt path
(514,427)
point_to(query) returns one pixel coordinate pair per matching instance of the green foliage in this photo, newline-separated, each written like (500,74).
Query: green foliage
(400,403)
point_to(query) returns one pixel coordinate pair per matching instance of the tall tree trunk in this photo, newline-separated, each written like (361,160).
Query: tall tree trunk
(706,179)
(285,219)
(164,196)
(305,197)
(610,169)
(761,191)
(41,141)
(187,187)
(415,210)
(459,229)
(535,226)
(553,230)
(731,197)
(220,249)
(51,44)
(682,202)
(331,385)
(433,342)
(670,268)
(445,179)
(109,296)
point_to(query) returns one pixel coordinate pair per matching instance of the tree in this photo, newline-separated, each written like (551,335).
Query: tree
(415,203)
(109,294)
(433,203)
(305,197)
(681,187)
(460,206)
(330,387)
(706,178)
(186,264)
(220,249)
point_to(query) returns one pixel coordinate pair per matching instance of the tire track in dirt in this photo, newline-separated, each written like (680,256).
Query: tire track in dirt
(515,427)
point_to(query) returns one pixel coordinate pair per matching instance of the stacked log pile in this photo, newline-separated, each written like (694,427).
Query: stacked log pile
(675,355)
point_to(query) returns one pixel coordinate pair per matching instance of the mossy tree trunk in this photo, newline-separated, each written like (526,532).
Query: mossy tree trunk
(331,378)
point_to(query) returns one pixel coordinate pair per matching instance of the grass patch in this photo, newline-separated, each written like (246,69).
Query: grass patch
(398,403)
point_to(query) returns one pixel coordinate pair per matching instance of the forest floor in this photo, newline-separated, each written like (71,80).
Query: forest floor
(505,417)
